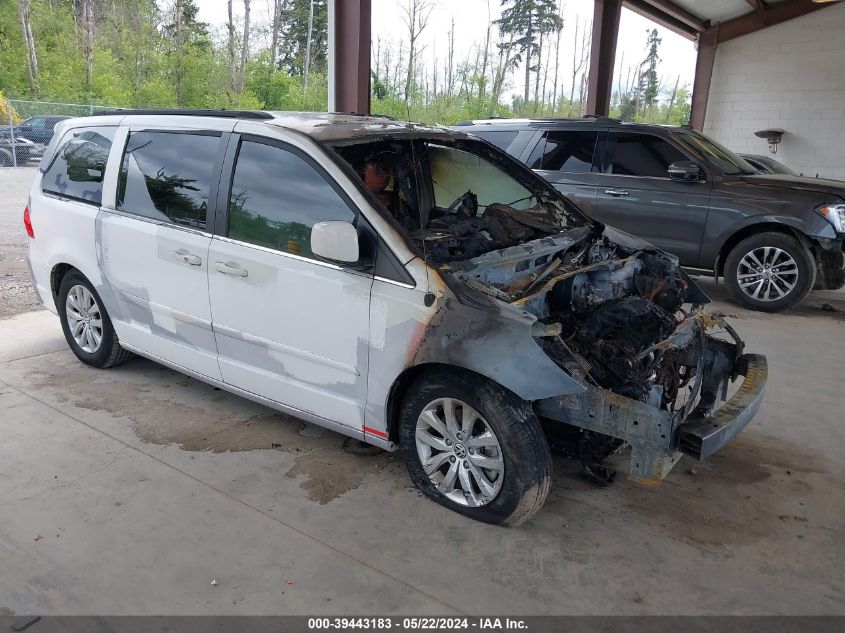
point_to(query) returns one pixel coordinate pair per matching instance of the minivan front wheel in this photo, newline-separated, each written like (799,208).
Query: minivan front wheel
(475,447)
(770,272)
(86,324)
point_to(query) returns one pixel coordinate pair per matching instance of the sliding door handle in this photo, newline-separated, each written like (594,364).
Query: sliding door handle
(187,257)
(231,268)
(616,192)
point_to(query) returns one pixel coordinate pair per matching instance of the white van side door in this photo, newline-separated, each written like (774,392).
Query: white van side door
(154,241)
(289,327)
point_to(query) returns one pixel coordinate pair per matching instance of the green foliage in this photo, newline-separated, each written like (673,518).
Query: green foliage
(144,57)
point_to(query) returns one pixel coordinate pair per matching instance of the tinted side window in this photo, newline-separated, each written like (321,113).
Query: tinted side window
(166,176)
(78,167)
(641,155)
(500,138)
(277,196)
(570,152)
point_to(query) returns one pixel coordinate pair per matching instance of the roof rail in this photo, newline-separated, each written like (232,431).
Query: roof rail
(228,114)
(378,116)
(602,117)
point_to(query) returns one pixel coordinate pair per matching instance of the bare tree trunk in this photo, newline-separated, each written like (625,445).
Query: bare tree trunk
(483,76)
(672,99)
(417,13)
(307,68)
(450,81)
(504,63)
(538,71)
(244,49)
(557,58)
(277,24)
(88,19)
(178,83)
(29,42)
(231,27)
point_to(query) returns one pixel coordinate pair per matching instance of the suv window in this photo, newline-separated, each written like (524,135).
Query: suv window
(566,151)
(167,175)
(277,196)
(500,138)
(77,169)
(633,154)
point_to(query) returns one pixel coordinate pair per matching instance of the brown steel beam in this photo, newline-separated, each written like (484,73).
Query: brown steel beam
(769,15)
(351,55)
(646,10)
(606,15)
(707,43)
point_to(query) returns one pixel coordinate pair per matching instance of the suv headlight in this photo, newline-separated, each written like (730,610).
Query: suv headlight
(835,214)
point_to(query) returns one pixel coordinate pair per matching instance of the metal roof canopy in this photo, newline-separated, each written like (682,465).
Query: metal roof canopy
(707,22)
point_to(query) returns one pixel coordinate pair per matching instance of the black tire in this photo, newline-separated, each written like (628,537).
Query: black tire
(527,473)
(109,353)
(6,159)
(803,281)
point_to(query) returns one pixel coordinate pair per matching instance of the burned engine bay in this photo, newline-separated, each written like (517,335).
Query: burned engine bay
(626,320)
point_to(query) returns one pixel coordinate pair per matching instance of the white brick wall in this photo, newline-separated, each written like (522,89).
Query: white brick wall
(789,76)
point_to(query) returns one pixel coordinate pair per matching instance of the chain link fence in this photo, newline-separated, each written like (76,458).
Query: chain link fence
(27,126)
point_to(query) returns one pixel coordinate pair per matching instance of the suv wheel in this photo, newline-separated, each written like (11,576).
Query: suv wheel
(770,272)
(86,324)
(475,447)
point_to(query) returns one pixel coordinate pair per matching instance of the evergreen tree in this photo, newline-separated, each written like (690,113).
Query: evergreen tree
(528,21)
(294,37)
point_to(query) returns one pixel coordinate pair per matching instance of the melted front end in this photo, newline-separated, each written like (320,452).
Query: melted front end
(628,323)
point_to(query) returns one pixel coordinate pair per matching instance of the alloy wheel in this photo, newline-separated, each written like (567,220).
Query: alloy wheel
(767,273)
(459,452)
(84,319)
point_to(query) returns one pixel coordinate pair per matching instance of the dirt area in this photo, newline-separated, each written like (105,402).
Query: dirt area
(16,295)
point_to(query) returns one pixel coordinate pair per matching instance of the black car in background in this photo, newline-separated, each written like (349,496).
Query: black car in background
(17,153)
(767,165)
(772,237)
(39,129)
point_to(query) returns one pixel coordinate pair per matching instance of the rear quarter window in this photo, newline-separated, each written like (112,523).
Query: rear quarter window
(500,138)
(77,169)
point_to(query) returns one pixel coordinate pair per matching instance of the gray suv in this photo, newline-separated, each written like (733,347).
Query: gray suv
(772,237)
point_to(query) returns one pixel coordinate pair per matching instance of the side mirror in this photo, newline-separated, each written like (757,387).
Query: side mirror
(685,170)
(336,241)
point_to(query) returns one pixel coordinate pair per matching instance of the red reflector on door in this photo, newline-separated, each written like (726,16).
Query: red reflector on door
(375,432)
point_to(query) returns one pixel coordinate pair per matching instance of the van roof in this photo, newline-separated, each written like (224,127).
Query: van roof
(322,126)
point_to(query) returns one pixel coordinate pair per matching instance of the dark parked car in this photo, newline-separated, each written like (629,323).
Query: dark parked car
(39,129)
(773,237)
(23,149)
(767,165)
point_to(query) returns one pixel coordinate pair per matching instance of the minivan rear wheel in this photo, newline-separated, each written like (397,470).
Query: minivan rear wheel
(475,447)
(86,324)
(770,272)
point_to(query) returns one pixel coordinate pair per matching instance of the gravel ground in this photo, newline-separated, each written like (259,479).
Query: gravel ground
(16,294)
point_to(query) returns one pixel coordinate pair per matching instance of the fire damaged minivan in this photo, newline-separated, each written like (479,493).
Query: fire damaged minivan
(406,285)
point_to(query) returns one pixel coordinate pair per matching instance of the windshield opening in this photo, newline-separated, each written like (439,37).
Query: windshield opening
(456,200)
(722,157)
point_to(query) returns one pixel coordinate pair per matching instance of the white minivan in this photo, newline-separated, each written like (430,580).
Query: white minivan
(407,285)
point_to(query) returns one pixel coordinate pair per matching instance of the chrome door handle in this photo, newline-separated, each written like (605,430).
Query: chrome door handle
(616,192)
(189,258)
(231,268)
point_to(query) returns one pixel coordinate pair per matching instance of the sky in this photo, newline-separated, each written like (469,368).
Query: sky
(471,19)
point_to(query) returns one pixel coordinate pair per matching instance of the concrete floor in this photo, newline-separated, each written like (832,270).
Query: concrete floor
(127,491)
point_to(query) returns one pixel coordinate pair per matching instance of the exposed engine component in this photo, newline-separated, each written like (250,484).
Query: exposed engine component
(615,310)
(458,234)
(611,338)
